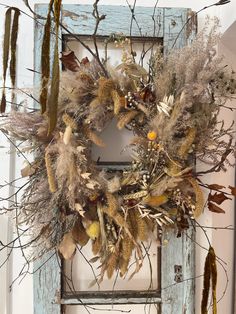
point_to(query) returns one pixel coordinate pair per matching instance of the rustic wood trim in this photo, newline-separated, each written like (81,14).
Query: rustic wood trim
(174,297)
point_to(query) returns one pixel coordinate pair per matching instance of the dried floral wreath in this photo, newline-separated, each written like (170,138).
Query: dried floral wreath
(172,110)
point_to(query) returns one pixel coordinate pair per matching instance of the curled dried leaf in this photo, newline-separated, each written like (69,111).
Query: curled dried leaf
(67,246)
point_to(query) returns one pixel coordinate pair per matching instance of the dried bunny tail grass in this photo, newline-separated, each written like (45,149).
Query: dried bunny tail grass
(125,254)
(187,143)
(69,121)
(79,233)
(105,88)
(112,211)
(50,173)
(199,197)
(85,77)
(141,226)
(119,101)
(112,264)
(126,118)
(97,245)
(92,136)
(132,223)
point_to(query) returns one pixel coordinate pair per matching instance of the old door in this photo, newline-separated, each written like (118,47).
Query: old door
(173,293)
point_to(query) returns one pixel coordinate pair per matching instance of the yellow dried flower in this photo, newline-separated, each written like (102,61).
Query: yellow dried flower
(93,230)
(155,201)
(152,135)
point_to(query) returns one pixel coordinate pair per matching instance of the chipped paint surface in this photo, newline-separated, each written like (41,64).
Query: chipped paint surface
(176,298)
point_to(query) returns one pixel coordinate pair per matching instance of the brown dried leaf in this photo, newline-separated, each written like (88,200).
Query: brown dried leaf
(29,169)
(94,259)
(67,246)
(218,198)
(69,61)
(215,209)
(233,190)
(215,186)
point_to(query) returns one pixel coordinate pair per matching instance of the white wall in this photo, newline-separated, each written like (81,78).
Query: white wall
(21,301)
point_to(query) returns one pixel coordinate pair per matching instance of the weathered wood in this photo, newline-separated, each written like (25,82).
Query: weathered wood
(175,297)
(111,297)
(80,21)
(47,285)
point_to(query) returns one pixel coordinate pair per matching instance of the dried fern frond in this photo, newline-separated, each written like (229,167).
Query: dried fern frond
(126,118)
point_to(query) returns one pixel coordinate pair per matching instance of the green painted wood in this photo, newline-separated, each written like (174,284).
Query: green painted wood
(47,285)
(176,298)
(80,21)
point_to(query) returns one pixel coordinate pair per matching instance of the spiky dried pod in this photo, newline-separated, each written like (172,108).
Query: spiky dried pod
(135,195)
(105,88)
(69,121)
(112,264)
(126,118)
(97,245)
(92,136)
(79,233)
(187,143)
(199,197)
(50,173)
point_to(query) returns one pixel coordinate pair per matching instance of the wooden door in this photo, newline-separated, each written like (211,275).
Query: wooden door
(176,293)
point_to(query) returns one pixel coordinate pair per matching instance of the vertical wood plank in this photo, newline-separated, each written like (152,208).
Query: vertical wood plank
(47,280)
(47,285)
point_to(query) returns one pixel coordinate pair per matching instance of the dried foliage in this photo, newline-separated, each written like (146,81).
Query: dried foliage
(173,113)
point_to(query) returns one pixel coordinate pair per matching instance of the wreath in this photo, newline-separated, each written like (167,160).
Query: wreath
(172,110)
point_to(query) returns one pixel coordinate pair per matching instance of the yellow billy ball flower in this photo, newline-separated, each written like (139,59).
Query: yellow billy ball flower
(93,230)
(152,135)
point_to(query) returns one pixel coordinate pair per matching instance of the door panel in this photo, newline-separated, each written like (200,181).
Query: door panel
(177,258)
